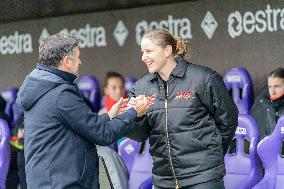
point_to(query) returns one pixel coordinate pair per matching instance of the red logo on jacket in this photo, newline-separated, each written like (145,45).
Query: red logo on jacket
(183,95)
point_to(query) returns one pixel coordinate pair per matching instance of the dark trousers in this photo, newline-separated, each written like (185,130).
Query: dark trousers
(21,169)
(12,178)
(213,184)
(16,173)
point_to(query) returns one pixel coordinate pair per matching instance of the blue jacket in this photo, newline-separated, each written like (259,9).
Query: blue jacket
(61,131)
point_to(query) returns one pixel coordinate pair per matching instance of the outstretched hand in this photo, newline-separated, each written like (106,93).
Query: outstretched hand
(141,104)
(118,108)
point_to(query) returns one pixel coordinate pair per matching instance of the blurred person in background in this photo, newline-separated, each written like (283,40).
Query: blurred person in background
(113,90)
(3,114)
(18,144)
(268,107)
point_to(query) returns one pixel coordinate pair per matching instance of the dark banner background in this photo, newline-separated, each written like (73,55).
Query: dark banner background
(258,51)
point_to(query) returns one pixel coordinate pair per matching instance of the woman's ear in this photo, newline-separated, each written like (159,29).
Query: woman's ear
(168,50)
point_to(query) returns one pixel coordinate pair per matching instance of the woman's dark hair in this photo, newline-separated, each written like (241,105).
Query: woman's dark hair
(279,72)
(112,74)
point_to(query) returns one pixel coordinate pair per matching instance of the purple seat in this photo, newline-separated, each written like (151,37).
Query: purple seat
(127,149)
(138,162)
(271,152)
(243,168)
(4,152)
(12,109)
(142,167)
(128,84)
(239,84)
(90,89)
(147,184)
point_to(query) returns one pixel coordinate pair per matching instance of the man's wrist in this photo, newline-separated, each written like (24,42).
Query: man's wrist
(132,111)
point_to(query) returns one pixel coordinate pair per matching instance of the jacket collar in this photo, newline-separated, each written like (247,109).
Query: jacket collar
(178,71)
(64,75)
(180,68)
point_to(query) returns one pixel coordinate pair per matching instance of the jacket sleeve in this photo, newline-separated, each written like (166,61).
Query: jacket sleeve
(97,129)
(222,108)
(139,133)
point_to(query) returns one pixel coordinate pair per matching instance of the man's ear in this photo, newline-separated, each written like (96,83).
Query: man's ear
(64,65)
(168,50)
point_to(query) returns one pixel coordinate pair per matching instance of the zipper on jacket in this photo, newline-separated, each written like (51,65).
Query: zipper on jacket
(168,139)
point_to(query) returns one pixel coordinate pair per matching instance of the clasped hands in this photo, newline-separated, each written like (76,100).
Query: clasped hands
(140,103)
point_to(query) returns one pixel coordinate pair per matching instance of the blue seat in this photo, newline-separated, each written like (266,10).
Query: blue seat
(128,84)
(139,163)
(271,152)
(240,86)
(90,89)
(243,168)
(5,152)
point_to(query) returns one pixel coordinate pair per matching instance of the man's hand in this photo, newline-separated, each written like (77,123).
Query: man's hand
(118,108)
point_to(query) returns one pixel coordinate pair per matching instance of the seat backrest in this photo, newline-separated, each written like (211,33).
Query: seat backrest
(90,89)
(147,184)
(128,84)
(4,152)
(243,168)
(240,86)
(142,167)
(127,149)
(271,152)
(138,161)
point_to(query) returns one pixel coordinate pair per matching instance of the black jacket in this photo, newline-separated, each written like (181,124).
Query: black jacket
(3,114)
(190,128)
(61,132)
(266,112)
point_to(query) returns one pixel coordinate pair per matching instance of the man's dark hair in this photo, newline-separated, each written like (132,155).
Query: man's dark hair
(2,105)
(53,49)
(110,75)
(279,72)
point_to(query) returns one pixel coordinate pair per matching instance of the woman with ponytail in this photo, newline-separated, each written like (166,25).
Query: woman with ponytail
(269,105)
(192,120)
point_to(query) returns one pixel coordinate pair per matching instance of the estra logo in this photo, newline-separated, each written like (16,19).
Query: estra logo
(263,20)
(183,95)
